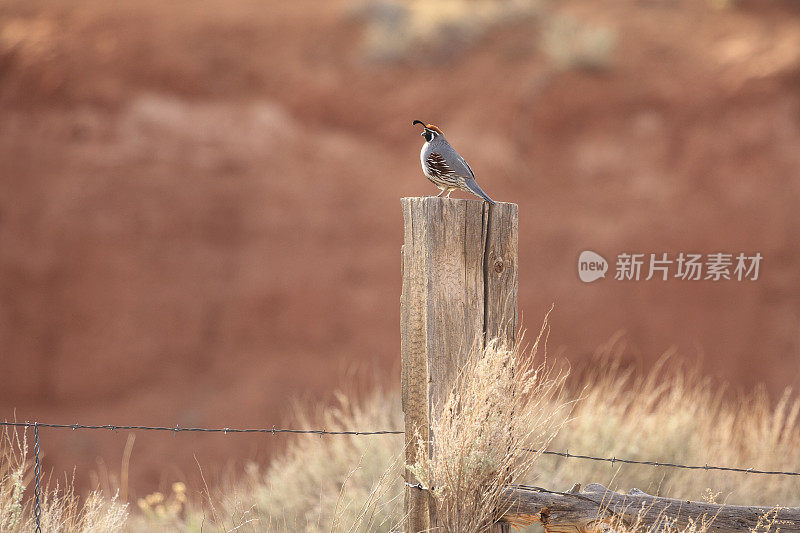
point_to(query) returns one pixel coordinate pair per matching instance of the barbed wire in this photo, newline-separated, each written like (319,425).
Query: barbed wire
(177,429)
(613,460)
(322,432)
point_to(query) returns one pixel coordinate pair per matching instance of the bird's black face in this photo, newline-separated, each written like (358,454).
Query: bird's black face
(428,132)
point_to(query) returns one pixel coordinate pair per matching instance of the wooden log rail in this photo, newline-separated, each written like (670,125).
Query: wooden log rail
(598,509)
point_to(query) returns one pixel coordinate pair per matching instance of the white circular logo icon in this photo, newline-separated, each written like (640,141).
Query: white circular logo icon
(591,266)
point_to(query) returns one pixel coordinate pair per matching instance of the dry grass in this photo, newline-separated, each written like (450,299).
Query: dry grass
(503,404)
(333,484)
(62,510)
(659,525)
(340,483)
(672,414)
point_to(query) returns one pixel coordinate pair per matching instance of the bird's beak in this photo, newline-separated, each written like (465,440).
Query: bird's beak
(424,132)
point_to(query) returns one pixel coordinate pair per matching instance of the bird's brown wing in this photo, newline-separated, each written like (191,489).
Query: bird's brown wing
(438,166)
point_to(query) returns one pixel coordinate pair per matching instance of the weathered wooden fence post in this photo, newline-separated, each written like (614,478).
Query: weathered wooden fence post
(459,287)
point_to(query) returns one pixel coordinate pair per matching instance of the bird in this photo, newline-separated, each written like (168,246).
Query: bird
(444,166)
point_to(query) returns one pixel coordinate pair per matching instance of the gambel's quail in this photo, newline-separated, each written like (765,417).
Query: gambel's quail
(444,166)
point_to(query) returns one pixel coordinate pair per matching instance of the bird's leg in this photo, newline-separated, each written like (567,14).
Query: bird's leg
(448,193)
(441,193)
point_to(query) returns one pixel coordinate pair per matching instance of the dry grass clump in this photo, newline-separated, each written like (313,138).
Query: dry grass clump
(503,406)
(336,483)
(174,511)
(13,472)
(62,510)
(672,414)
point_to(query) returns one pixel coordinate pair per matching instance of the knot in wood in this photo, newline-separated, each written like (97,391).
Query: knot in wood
(499,266)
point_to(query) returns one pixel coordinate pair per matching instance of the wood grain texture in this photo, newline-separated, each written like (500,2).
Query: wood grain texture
(501,272)
(414,373)
(459,264)
(596,507)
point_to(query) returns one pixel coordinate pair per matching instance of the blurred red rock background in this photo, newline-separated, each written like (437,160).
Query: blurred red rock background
(200,219)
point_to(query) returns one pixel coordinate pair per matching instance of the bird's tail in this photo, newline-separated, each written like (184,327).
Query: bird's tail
(475,189)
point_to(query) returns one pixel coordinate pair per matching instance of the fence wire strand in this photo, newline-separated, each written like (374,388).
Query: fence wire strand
(322,432)
(613,460)
(178,429)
